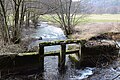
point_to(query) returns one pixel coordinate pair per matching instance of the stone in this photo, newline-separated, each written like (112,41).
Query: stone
(40,38)
(97,52)
(107,36)
(96,47)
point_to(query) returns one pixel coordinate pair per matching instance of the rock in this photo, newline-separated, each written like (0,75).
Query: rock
(40,38)
(107,36)
(33,49)
(101,37)
(97,52)
(100,47)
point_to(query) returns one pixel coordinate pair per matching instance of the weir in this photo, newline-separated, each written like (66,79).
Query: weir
(20,62)
(62,54)
(87,52)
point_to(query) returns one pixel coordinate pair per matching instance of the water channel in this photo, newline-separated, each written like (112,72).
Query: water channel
(51,33)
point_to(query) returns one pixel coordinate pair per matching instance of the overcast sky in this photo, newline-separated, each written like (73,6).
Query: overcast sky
(75,0)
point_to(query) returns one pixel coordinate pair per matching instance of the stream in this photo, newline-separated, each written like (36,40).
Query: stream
(47,33)
(52,33)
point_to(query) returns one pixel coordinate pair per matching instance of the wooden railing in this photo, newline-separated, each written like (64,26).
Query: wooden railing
(61,55)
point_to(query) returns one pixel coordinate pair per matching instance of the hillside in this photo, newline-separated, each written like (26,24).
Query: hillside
(105,6)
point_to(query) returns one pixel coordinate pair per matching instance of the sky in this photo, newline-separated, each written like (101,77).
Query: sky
(75,0)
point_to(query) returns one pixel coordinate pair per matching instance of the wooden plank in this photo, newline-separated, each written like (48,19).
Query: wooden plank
(51,43)
(52,54)
(72,52)
(57,53)
(62,57)
(41,58)
(59,60)
(79,52)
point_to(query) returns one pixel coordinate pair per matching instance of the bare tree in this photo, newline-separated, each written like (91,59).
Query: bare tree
(36,8)
(65,13)
(16,9)
(4,29)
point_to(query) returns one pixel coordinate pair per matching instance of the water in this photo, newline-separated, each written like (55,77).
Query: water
(48,33)
(52,33)
(71,73)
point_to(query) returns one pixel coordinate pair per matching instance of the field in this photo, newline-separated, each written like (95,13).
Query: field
(88,18)
(103,18)
(92,24)
(97,24)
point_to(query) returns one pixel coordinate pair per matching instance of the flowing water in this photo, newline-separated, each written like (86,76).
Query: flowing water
(52,33)
(48,33)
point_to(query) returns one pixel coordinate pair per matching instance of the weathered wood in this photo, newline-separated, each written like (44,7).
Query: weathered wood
(36,60)
(62,56)
(62,41)
(80,53)
(57,53)
(96,53)
(58,60)
(0,75)
(41,57)
(72,52)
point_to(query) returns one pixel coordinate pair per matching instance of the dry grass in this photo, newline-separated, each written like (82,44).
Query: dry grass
(85,31)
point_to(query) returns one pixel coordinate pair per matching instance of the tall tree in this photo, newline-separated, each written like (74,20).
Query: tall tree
(14,8)
(5,29)
(65,13)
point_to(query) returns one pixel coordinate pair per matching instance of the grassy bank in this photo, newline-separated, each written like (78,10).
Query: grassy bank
(89,18)
(103,18)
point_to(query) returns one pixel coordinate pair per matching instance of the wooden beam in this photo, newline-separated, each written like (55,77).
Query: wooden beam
(72,52)
(51,43)
(57,53)
(41,58)
(62,57)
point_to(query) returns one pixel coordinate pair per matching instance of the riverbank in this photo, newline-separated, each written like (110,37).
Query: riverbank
(22,46)
(86,32)
(83,31)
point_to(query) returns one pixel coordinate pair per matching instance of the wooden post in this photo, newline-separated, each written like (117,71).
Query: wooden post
(79,53)
(62,56)
(0,74)
(41,57)
(58,60)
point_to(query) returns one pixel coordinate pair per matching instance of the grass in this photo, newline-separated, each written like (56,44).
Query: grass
(89,18)
(103,18)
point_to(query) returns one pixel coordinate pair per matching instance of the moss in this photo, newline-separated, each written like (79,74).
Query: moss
(35,53)
(52,52)
(74,58)
(29,53)
(69,41)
